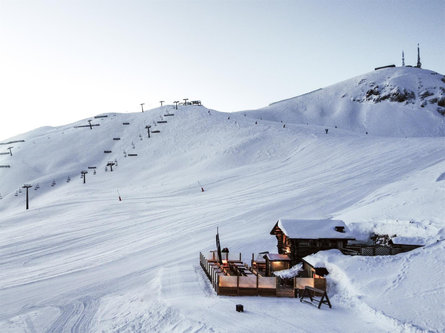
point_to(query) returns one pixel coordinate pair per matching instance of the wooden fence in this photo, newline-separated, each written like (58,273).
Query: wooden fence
(253,284)
(377,250)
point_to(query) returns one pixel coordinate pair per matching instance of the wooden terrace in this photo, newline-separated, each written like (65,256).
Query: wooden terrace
(235,278)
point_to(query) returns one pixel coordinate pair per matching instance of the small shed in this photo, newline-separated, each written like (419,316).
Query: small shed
(276,262)
(300,238)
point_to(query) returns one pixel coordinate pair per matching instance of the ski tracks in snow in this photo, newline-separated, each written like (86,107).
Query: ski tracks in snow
(76,316)
(178,286)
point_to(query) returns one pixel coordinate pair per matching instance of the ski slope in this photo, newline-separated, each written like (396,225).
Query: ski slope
(80,260)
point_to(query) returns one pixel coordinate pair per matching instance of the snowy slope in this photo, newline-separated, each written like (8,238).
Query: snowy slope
(80,260)
(401,101)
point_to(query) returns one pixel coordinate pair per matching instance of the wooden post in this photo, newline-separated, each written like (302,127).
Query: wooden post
(257,284)
(215,281)
(240,256)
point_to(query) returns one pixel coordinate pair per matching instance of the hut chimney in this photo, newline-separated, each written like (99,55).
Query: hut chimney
(340,228)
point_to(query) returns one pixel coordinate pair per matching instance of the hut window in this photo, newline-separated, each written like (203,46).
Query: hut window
(303,244)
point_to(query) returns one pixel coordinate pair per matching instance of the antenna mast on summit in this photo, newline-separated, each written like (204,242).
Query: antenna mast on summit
(403,58)
(419,64)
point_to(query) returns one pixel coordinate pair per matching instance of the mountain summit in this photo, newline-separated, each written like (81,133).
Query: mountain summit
(400,101)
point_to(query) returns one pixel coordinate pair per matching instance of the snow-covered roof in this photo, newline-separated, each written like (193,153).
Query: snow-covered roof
(408,241)
(277,257)
(314,229)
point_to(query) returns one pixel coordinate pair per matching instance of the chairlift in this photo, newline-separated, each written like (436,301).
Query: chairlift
(90,125)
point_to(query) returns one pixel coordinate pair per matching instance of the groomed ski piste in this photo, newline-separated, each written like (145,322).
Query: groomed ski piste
(80,260)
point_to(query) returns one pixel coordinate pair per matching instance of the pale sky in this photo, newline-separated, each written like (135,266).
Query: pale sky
(62,61)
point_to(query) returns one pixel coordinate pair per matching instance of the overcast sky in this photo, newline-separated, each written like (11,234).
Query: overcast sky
(62,61)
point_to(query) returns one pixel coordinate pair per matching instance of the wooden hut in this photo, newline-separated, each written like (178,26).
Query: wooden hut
(299,238)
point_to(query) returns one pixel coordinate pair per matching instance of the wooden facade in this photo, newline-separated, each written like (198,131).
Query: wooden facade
(297,246)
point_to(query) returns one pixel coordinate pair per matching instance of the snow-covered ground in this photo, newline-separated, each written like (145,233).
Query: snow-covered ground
(401,101)
(81,260)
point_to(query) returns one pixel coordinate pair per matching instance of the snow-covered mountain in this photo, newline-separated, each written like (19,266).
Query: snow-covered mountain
(81,260)
(400,101)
